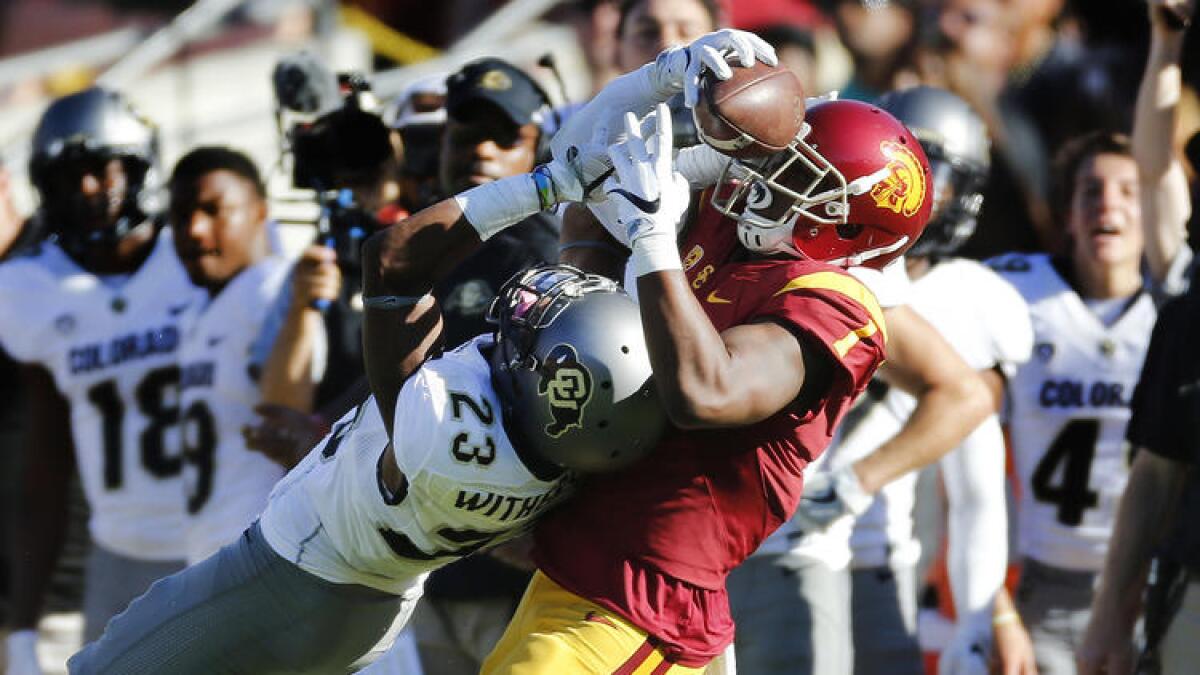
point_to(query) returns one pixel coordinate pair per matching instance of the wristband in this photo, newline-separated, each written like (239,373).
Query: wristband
(494,206)
(392,301)
(544,184)
(654,253)
(1005,618)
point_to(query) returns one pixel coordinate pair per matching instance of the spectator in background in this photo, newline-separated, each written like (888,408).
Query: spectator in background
(880,36)
(219,217)
(646,27)
(93,318)
(417,118)
(796,51)
(494,113)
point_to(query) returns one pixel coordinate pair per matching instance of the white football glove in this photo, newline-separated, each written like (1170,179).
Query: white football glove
(676,70)
(679,68)
(828,496)
(650,196)
(967,653)
(22,653)
(578,168)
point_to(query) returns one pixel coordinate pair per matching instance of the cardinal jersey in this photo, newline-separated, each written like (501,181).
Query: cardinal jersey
(1070,406)
(466,485)
(987,323)
(112,348)
(226,485)
(654,542)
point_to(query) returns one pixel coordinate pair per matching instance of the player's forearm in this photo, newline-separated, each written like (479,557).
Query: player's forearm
(287,377)
(584,243)
(689,358)
(39,525)
(946,412)
(1146,508)
(1164,192)
(977,554)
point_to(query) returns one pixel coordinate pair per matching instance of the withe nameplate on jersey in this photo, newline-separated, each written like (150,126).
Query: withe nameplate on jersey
(123,349)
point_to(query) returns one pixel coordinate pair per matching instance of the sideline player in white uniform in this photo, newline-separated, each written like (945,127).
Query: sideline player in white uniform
(1092,318)
(988,324)
(219,217)
(451,453)
(93,316)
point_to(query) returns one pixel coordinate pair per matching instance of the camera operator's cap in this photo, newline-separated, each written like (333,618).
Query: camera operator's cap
(499,83)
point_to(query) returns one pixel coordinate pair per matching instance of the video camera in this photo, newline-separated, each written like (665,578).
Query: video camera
(337,142)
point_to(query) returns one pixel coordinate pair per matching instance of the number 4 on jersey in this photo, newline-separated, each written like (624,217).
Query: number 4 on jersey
(1074,448)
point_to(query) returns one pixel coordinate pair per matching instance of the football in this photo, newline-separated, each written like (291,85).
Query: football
(756,112)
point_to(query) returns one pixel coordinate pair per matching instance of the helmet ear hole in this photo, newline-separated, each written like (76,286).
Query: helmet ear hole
(849,231)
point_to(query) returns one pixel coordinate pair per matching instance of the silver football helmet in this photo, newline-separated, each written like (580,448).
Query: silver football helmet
(955,140)
(572,368)
(94,125)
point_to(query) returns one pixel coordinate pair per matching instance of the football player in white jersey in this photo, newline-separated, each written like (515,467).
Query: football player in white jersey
(1069,404)
(996,338)
(452,453)
(93,316)
(219,217)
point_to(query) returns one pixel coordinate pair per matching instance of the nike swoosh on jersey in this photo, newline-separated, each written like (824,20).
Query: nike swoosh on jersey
(214,341)
(712,298)
(642,204)
(176,310)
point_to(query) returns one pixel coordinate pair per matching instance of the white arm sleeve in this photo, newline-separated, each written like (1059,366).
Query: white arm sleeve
(977,554)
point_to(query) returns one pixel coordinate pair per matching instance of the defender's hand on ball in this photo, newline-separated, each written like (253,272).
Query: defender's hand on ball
(681,68)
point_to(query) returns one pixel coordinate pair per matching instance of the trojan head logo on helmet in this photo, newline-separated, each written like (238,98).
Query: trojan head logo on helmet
(572,368)
(83,135)
(852,189)
(956,142)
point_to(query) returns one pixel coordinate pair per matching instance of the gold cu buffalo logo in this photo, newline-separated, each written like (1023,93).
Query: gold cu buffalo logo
(495,80)
(903,189)
(567,386)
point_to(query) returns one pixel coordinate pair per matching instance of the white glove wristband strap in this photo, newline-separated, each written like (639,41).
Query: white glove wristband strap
(494,206)
(654,253)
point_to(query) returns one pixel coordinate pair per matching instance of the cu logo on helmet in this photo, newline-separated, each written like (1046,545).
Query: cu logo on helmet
(902,190)
(567,386)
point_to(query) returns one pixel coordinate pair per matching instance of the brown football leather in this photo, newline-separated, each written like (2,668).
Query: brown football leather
(756,112)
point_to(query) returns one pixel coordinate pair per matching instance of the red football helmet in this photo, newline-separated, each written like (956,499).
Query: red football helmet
(854,188)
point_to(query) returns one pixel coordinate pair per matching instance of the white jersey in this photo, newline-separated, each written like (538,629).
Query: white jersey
(226,484)
(466,485)
(1069,409)
(987,323)
(112,348)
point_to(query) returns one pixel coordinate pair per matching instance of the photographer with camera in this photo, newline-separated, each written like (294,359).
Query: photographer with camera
(345,155)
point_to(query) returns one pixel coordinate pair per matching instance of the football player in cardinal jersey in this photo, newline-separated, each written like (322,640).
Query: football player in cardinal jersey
(219,218)
(93,316)
(860,198)
(453,452)
(880,545)
(749,327)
